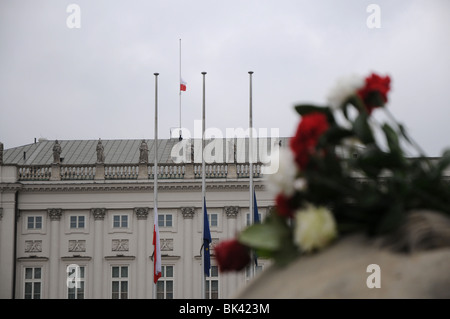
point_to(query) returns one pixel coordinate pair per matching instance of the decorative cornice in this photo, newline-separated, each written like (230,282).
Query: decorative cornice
(99,213)
(76,257)
(33,258)
(54,213)
(231,211)
(120,257)
(188,212)
(90,186)
(141,212)
(10,187)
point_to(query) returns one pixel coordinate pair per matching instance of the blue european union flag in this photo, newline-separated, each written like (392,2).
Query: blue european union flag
(255,219)
(255,209)
(206,242)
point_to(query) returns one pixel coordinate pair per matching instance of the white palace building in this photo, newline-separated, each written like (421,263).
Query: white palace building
(90,203)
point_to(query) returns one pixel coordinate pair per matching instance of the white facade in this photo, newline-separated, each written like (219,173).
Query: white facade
(101,220)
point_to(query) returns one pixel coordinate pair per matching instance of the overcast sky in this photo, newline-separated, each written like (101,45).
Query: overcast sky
(97,81)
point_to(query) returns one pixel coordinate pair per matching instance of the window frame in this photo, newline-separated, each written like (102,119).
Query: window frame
(120,280)
(33,281)
(34,230)
(209,280)
(82,280)
(163,220)
(164,280)
(121,229)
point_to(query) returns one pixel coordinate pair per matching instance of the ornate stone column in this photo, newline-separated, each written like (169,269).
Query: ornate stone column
(141,215)
(233,282)
(55,216)
(188,258)
(99,216)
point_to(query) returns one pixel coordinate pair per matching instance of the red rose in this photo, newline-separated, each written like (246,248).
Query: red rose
(231,255)
(284,206)
(375,85)
(303,144)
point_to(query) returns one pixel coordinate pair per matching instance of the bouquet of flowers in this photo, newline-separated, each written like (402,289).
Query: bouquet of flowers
(336,178)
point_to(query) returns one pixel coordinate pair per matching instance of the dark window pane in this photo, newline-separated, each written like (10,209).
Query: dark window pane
(28,273)
(124,272)
(115,272)
(169,271)
(28,290)
(38,224)
(116,221)
(80,221)
(168,220)
(37,273)
(115,290)
(124,290)
(124,221)
(37,290)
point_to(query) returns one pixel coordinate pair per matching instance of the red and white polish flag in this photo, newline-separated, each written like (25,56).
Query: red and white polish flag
(182,85)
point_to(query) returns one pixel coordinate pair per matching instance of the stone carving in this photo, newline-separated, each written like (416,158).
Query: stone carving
(231,211)
(143,155)
(99,213)
(56,153)
(141,212)
(166,244)
(54,213)
(120,245)
(77,245)
(188,212)
(33,246)
(412,263)
(100,152)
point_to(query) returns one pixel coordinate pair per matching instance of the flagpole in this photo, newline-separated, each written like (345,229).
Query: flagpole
(180,138)
(203,183)
(250,159)
(155,175)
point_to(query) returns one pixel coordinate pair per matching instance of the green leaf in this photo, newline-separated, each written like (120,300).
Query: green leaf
(374,98)
(335,134)
(304,109)
(268,236)
(356,101)
(362,129)
(444,162)
(392,139)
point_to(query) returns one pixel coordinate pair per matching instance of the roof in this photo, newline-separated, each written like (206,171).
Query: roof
(126,151)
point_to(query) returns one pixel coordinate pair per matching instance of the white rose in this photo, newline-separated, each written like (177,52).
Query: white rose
(283,180)
(315,228)
(344,88)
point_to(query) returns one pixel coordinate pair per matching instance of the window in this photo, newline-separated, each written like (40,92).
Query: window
(120,221)
(76,291)
(213,220)
(165,220)
(34,222)
(164,287)
(212,284)
(119,282)
(77,222)
(33,277)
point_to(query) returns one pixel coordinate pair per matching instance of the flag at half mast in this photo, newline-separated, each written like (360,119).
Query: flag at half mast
(206,242)
(182,85)
(156,249)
